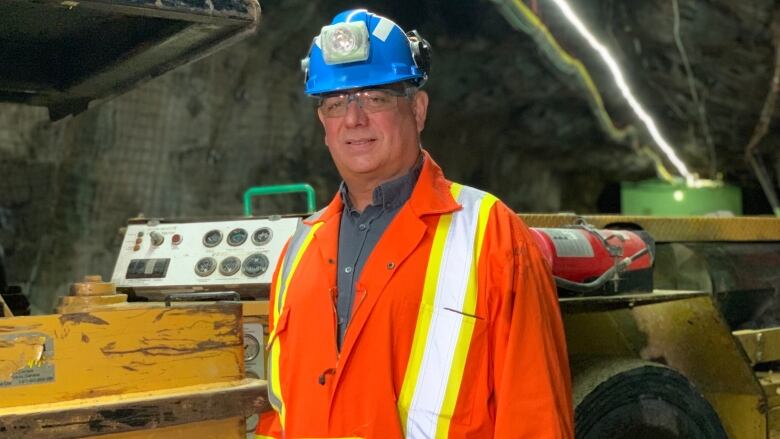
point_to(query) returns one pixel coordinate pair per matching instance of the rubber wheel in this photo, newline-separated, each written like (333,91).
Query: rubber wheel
(648,402)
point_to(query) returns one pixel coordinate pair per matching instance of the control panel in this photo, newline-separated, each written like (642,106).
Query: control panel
(169,255)
(159,257)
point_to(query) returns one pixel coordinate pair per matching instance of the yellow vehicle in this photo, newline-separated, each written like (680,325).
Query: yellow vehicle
(102,367)
(688,356)
(692,358)
(687,352)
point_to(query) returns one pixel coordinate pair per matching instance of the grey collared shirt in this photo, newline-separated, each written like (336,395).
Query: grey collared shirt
(359,233)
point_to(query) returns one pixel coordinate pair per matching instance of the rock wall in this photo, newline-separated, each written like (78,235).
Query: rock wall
(188,144)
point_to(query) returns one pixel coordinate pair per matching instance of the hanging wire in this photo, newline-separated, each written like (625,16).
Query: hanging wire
(523,19)
(701,110)
(762,126)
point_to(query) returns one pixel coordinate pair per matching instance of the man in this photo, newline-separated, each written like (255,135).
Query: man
(410,306)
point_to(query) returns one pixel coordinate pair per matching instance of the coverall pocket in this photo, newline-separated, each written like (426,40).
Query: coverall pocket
(279,327)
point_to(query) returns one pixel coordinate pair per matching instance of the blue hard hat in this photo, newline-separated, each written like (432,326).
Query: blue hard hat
(362,49)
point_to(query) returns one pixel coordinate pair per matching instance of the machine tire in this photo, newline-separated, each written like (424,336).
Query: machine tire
(648,401)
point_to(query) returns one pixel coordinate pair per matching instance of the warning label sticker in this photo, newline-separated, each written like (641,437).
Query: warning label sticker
(26,359)
(570,243)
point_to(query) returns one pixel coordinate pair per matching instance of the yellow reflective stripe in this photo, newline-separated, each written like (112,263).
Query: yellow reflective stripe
(423,320)
(260,436)
(275,382)
(466,330)
(276,294)
(297,259)
(470,306)
(276,350)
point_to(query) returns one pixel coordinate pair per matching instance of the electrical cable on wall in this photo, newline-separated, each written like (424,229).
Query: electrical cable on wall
(762,126)
(522,18)
(701,110)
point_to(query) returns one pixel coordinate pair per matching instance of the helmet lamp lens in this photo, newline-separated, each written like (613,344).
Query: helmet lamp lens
(344,42)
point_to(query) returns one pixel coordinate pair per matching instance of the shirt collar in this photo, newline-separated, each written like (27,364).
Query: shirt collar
(391,194)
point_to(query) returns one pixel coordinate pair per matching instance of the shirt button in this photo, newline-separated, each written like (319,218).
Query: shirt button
(362,227)
(348,270)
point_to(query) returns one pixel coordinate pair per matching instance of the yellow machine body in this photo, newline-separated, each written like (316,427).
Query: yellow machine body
(686,331)
(121,371)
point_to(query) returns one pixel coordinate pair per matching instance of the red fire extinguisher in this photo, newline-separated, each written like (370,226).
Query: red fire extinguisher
(587,260)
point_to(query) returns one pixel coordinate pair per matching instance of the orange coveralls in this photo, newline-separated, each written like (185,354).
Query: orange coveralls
(516,380)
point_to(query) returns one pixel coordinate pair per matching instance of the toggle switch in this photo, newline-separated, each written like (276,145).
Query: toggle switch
(157,238)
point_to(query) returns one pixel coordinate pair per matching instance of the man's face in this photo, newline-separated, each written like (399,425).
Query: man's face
(376,146)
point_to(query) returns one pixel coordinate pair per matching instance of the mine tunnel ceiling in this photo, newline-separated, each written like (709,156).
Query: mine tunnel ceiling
(485,73)
(494,83)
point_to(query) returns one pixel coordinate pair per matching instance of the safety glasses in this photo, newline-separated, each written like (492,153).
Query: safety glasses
(371,100)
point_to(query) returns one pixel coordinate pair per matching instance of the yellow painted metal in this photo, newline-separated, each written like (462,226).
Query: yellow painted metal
(92,288)
(255,308)
(131,349)
(692,337)
(687,334)
(86,301)
(167,407)
(771,384)
(590,334)
(217,429)
(760,345)
(675,229)
(628,300)
(122,355)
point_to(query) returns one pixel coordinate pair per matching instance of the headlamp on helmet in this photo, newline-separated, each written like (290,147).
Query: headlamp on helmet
(344,42)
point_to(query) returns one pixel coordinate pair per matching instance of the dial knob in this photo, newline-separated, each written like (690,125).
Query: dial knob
(157,238)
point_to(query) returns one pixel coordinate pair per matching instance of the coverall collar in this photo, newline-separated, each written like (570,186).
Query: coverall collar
(431,195)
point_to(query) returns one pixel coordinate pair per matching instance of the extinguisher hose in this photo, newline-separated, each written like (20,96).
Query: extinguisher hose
(597,283)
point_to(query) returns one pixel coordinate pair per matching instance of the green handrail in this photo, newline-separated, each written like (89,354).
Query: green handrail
(279,189)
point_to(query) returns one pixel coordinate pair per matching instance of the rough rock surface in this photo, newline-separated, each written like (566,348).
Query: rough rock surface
(502,118)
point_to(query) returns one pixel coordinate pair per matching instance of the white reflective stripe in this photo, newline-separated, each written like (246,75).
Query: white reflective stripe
(455,272)
(383,29)
(459,252)
(297,247)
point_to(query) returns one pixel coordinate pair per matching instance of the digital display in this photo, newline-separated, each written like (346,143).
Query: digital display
(147,268)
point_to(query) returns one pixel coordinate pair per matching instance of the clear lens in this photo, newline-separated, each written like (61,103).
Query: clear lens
(372,100)
(343,41)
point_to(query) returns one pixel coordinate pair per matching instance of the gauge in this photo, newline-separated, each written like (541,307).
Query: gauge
(255,265)
(251,347)
(212,238)
(205,266)
(229,266)
(236,237)
(262,236)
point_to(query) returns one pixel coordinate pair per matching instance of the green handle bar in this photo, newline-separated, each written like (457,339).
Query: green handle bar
(279,189)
